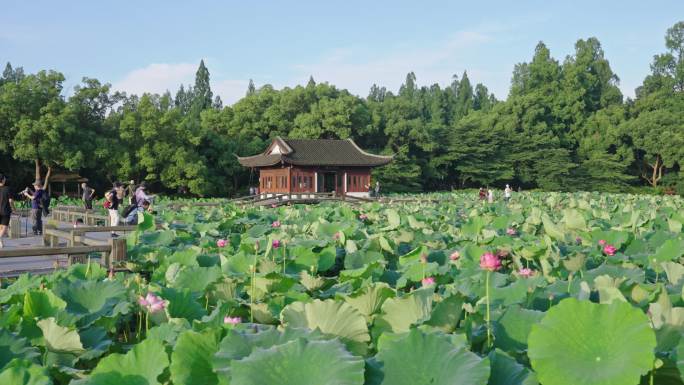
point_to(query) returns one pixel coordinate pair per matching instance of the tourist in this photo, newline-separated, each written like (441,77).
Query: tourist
(88,194)
(132,216)
(37,206)
(377,189)
(141,196)
(490,195)
(112,202)
(482,194)
(507,193)
(6,205)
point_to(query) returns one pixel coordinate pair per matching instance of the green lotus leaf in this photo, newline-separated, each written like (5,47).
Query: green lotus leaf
(23,372)
(191,358)
(90,300)
(670,250)
(60,339)
(583,343)
(140,366)
(195,278)
(574,220)
(182,304)
(300,362)
(513,328)
(398,314)
(12,347)
(393,219)
(95,341)
(447,313)
(18,288)
(552,230)
(330,317)
(506,371)
(159,238)
(145,222)
(42,304)
(369,299)
(419,358)
(240,343)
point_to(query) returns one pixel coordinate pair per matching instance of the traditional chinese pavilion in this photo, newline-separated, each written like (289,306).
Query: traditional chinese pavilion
(291,166)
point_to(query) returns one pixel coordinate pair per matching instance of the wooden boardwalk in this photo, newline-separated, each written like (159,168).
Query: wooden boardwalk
(13,266)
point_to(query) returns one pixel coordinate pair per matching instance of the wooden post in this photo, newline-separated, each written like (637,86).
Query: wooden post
(15,227)
(118,252)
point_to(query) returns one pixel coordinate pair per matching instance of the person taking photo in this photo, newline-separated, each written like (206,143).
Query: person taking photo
(37,202)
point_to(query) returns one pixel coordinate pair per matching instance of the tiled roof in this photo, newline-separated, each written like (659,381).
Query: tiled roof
(315,152)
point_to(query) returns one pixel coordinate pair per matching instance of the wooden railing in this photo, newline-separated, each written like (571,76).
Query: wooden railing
(70,214)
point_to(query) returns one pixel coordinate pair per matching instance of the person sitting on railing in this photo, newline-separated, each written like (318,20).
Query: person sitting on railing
(132,217)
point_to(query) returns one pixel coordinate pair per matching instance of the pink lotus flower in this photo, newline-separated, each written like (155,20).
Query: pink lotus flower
(602,242)
(609,249)
(336,236)
(152,303)
(275,243)
(428,281)
(489,261)
(232,320)
(275,224)
(455,256)
(578,240)
(222,243)
(525,272)
(363,217)
(273,205)
(511,231)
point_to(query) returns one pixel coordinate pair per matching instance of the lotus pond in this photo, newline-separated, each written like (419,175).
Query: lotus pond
(557,289)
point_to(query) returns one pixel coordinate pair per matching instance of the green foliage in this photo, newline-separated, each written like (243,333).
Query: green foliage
(564,126)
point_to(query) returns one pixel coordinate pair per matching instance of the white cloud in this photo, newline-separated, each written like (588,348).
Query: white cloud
(433,64)
(160,77)
(230,90)
(157,78)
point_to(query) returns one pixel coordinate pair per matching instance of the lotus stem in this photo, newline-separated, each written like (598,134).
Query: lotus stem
(140,315)
(147,323)
(284,257)
(488,316)
(253,287)
(569,282)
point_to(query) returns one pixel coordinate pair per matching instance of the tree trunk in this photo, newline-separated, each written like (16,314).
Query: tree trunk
(46,182)
(37,161)
(656,172)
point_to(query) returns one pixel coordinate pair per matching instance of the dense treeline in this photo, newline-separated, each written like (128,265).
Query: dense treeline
(563,126)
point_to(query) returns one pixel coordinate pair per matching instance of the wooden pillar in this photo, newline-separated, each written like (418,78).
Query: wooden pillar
(117,253)
(15,227)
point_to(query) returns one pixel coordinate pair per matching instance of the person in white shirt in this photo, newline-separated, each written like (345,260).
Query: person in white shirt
(507,193)
(490,195)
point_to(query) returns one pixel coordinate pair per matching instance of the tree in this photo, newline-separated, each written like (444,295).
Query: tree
(657,127)
(202,92)
(36,125)
(464,97)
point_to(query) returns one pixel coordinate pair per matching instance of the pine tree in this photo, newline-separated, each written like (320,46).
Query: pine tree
(218,103)
(251,89)
(202,92)
(464,97)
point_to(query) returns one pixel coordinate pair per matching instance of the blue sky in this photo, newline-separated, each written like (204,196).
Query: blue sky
(156,45)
